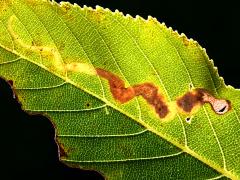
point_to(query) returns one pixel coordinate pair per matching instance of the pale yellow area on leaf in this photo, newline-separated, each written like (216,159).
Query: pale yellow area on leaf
(81,68)
(52,53)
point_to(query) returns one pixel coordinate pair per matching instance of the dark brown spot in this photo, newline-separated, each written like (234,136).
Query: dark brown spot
(150,93)
(189,100)
(88,104)
(147,90)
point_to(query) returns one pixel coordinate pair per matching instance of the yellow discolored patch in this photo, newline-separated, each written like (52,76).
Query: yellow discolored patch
(185,40)
(45,51)
(4,4)
(81,68)
(35,2)
(50,53)
(172,111)
(65,6)
(97,15)
(67,10)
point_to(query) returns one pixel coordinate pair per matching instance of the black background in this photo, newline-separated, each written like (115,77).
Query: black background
(27,141)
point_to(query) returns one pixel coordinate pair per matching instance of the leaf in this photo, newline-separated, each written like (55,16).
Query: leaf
(71,63)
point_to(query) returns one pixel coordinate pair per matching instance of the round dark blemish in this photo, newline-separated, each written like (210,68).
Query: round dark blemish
(88,104)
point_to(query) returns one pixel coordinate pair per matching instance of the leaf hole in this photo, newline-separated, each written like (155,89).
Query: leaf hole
(221,106)
(188,119)
(190,86)
(222,110)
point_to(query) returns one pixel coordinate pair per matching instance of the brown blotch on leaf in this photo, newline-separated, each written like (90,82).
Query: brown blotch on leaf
(147,90)
(117,86)
(200,96)
(189,100)
(150,93)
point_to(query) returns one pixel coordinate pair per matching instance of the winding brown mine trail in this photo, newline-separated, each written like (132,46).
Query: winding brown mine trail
(147,90)
(150,93)
(184,104)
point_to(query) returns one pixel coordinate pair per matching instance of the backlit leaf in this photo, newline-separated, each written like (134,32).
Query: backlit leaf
(101,78)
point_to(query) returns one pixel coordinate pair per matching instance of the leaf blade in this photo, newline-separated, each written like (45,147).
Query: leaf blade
(175,131)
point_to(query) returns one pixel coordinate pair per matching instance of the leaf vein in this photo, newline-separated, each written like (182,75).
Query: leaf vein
(40,88)
(125,160)
(103,136)
(217,177)
(11,61)
(66,110)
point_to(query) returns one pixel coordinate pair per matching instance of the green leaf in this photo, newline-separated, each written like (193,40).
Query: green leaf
(63,60)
